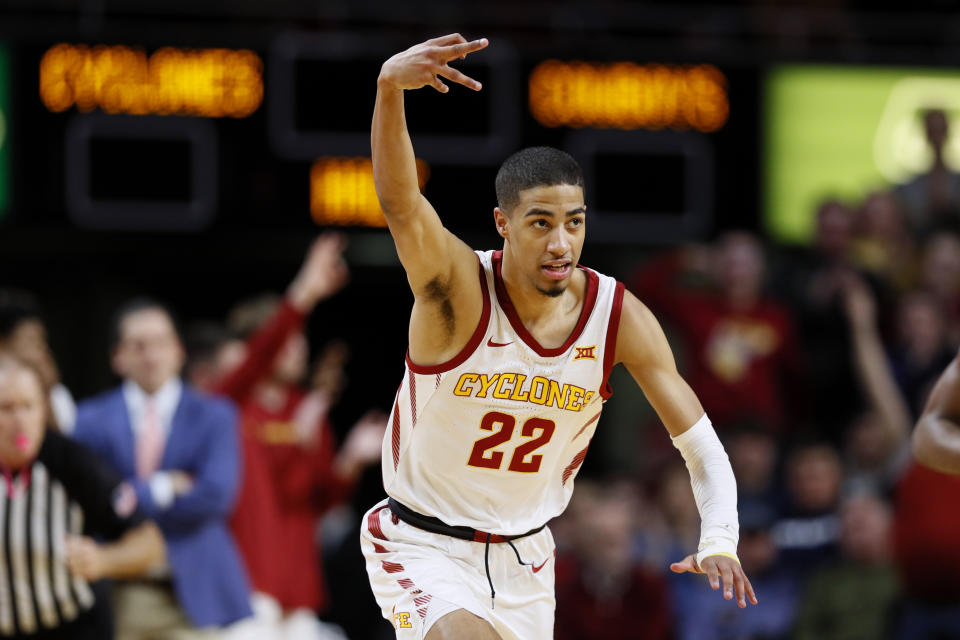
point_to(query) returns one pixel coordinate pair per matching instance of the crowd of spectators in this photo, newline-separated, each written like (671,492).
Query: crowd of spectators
(197,485)
(814,364)
(218,461)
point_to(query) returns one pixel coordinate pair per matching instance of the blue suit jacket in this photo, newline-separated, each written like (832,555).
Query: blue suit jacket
(208,574)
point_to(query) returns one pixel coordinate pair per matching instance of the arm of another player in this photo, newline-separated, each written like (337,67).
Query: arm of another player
(643,349)
(441,269)
(936,440)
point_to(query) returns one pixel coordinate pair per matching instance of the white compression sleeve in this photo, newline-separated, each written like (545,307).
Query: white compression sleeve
(714,489)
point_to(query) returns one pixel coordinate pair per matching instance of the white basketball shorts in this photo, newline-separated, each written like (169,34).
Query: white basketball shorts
(418,577)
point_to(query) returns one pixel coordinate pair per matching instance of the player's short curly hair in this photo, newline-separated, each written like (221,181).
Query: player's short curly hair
(535,167)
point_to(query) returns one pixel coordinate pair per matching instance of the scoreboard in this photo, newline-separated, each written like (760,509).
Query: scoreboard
(155,137)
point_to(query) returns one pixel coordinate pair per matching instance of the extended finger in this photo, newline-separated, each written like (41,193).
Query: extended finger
(450,38)
(437,84)
(461,50)
(727,576)
(459,77)
(738,580)
(750,592)
(712,574)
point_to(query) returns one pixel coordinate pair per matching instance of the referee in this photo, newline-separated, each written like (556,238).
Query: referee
(53,495)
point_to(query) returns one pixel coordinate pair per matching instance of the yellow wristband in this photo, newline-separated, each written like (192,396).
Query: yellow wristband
(723,553)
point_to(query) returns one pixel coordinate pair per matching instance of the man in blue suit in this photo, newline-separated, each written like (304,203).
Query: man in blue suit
(179,450)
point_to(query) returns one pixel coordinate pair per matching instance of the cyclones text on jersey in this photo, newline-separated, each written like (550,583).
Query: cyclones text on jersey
(515,386)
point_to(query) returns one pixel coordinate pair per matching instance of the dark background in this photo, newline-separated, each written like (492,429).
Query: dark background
(261,224)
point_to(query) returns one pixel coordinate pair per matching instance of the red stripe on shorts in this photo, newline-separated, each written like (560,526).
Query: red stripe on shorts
(406,583)
(392,567)
(373,524)
(422,600)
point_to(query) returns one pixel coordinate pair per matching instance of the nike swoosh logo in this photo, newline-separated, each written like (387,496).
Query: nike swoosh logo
(491,343)
(536,569)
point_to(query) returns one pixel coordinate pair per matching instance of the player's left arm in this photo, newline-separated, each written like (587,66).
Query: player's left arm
(936,440)
(643,349)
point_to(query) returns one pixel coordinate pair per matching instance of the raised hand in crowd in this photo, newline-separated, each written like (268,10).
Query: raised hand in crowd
(323,273)
(362,447)
(870,361)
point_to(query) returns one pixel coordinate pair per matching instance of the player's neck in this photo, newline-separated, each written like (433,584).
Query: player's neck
(532,305)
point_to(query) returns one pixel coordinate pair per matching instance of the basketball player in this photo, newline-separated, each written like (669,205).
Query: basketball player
(506,374)
(936,440)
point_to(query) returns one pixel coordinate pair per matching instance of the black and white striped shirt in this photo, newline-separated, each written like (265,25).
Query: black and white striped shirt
(66,491)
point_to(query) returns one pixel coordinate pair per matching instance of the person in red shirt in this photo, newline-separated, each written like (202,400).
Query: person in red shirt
(293,470)
(602,591)
(742,348)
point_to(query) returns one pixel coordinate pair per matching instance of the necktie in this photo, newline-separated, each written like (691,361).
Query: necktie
(150,442)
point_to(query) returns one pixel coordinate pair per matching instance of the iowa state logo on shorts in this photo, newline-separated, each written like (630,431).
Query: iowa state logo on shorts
(401,620)
(586,353)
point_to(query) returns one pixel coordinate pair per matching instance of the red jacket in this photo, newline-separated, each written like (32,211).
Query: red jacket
(286,486)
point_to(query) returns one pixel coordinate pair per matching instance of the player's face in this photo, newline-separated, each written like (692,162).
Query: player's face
(544,233)
(22,416)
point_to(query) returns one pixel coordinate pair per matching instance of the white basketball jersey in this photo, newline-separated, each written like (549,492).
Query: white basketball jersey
(493,438)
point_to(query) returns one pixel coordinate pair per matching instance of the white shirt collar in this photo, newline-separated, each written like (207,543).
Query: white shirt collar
(165,399)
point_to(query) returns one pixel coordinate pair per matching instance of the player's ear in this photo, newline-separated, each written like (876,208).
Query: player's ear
(502,220)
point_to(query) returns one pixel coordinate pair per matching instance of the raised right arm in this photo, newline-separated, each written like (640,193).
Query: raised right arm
(441,269)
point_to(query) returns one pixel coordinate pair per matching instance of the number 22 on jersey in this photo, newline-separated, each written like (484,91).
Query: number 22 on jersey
(481,456)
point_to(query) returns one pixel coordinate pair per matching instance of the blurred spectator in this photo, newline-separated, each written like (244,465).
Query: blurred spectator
(55,495)
(294,472)
(876,443)
(884,246)
(932,199)
(852,599)
(926,531)
(940,275)
(810,280)
(210,352)
(808,534)
(922,348)
(753,455)
(700,615)
(601,592)
(743,354)
(670,525)
(179,451)
(23,332)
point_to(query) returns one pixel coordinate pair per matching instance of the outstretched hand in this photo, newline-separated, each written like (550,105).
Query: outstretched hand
(719,568)
(424,64)
(323,273)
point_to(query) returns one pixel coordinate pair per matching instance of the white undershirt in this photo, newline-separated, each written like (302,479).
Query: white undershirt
(165,401)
